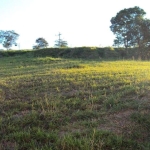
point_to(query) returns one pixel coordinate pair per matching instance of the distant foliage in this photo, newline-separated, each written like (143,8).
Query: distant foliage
(61,43)
(8,38)
(41,43)
(82,52)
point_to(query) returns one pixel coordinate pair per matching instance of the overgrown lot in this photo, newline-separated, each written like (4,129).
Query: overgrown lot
(64,104)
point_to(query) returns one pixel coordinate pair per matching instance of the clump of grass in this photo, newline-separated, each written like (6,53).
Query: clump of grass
(95,140)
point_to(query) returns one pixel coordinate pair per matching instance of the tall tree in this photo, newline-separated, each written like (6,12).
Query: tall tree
(60,42)
(8,38)
(131,28)
(41,43)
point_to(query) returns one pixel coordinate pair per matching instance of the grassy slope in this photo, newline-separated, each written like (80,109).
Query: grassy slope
(48,103)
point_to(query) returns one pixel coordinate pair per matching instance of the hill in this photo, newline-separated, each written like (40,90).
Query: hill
(65,103)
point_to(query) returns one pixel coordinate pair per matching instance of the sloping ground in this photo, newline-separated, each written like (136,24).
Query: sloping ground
(48,103)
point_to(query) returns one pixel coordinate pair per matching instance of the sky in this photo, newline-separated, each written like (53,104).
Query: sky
(81,22)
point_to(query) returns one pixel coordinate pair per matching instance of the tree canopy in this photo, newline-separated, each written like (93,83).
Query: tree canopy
(61,43)
(8,38)
(131,28)
(41,43)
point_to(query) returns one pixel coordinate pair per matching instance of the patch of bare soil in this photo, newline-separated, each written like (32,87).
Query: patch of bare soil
(71,128)
(7,145)
(21,114)
(70,94)
(118,122)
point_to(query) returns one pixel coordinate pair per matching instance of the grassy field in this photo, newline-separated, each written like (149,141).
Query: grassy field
(64,104)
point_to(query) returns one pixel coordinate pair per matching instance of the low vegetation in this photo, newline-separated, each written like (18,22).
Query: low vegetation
(106,53)
(74,104)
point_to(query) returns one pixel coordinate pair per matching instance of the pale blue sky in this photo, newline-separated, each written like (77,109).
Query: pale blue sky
(81,22)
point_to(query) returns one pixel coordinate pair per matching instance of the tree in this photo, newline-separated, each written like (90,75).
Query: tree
(130,28)
(41,43)
(141,33)
(60,42)
(35,47)
(8,38)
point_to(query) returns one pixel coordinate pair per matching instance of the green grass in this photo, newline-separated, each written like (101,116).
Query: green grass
(73,104)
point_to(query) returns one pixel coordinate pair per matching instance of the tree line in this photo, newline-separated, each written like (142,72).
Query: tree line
(130,26)
(9,38)
(42,43)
